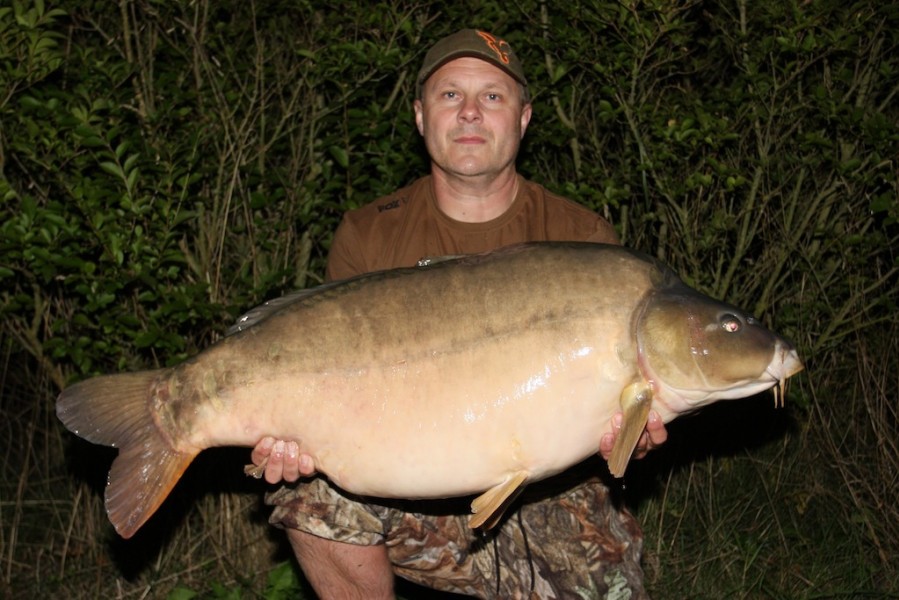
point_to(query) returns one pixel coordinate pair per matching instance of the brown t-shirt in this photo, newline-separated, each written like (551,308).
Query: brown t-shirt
(400,229)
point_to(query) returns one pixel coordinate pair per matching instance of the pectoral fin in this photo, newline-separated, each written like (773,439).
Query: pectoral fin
(636,399)
(488,508)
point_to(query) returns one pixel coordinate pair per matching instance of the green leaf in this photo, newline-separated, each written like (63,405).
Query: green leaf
(113,169)
(181,593)
(129,162)
(146,339)
(340,155)
(281,579)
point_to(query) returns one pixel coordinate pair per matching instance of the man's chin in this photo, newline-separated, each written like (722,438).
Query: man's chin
(470,167)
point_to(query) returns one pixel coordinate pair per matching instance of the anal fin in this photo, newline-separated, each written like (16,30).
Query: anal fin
(488,508)
(636,400)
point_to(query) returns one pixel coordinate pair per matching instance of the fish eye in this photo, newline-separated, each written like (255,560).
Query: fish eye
(731,323)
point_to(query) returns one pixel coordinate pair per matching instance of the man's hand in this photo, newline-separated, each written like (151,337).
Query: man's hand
(279,460)
(653,436)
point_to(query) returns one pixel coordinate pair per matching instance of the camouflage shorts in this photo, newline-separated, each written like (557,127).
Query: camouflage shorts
(564,538)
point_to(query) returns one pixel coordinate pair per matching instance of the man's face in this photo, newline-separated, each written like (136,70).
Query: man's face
(472,117)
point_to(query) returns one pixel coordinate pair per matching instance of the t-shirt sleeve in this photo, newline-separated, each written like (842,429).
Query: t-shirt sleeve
(567,220)
(604,233)
(346,257)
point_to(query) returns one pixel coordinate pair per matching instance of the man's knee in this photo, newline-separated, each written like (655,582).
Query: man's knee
(339,570)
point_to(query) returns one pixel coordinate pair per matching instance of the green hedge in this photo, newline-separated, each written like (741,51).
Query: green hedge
(167,164)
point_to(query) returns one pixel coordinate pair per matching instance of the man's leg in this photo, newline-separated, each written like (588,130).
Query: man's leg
(338,570)
(573,544)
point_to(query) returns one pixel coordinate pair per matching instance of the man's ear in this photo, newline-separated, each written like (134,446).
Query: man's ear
(419,117)
(526,112)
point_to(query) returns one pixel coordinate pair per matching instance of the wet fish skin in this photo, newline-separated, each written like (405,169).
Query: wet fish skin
(481,373)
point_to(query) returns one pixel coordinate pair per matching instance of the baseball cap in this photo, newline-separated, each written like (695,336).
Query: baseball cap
(471,42)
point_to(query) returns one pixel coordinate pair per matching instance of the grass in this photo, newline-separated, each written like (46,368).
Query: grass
(744,501)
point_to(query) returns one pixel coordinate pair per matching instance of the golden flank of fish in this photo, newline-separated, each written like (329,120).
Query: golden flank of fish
(475,375)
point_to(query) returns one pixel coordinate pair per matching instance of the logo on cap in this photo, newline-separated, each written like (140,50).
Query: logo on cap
(497,45)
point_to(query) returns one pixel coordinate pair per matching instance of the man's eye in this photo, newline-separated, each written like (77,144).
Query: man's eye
(449,95)
(493,97)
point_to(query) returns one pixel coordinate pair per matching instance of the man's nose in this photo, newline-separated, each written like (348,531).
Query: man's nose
(470,110)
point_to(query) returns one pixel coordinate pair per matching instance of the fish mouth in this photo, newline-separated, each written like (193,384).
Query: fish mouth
(786,363)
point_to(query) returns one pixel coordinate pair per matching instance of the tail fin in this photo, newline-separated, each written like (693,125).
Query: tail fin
(114,410)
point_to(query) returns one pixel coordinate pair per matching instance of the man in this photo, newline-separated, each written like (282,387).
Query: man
(472,109)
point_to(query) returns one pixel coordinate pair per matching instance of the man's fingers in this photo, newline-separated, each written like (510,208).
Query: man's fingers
(287,464)
(290,467)
(262,450)
(307,465)
(274,469)
(643,446)
(658,435)
(653,436)
(279,461)
(606,443)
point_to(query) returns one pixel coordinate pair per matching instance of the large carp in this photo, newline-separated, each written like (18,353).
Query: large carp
(485,372)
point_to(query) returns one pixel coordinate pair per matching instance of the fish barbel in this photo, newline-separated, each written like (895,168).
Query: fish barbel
(476,375)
